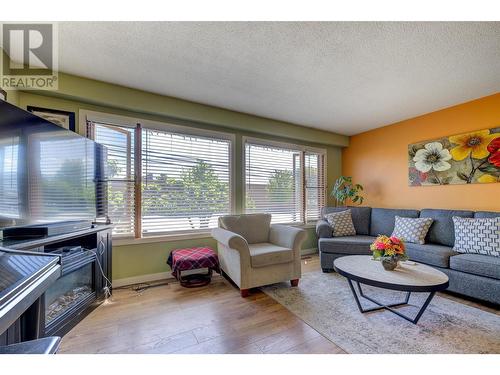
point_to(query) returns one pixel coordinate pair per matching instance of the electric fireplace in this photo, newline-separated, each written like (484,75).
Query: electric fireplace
(76,288)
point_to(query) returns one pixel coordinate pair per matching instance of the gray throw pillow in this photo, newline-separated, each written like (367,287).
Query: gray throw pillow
(477,235)
(412,230)
(341,223)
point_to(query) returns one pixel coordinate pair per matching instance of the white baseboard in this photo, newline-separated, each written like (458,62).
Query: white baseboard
(142,279)
(168,275)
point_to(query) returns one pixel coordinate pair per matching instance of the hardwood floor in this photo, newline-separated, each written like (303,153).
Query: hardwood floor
(211,319)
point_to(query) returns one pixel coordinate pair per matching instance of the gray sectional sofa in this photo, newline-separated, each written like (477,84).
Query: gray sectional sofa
(472,275)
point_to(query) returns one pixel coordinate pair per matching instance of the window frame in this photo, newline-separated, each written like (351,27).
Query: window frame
(130,122)
(303,149)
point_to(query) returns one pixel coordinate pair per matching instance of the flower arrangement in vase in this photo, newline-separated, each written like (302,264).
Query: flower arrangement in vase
(389,250)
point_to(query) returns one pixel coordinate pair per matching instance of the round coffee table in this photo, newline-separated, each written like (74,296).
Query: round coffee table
(407,277)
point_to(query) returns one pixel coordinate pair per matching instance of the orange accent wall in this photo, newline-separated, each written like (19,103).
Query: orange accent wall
(378,159)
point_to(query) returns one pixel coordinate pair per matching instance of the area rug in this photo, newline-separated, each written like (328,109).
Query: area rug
(325,302)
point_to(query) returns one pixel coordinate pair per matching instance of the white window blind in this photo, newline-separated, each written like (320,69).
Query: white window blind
(164,181)
(273,182)
(315,185)
(186,181)
(119,141)
(285,181)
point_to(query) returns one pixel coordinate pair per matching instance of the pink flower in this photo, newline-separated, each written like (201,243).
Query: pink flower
(395,240)
(380,246)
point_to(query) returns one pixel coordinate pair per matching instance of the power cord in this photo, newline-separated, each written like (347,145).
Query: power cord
(140,288)
(107,284)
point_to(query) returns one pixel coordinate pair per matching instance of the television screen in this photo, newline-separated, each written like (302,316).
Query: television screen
(47,173)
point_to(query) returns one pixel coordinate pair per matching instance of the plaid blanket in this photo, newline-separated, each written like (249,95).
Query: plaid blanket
(193,258)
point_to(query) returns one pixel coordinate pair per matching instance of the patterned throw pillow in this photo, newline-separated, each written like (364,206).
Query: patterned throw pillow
(341,223)
(477,236)
(412,230)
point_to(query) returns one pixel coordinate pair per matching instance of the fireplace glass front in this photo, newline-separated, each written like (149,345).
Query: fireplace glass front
(68,292)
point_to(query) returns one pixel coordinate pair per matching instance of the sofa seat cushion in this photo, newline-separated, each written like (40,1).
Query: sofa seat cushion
(354,245)
(434,255)
(477,264)
(266,254)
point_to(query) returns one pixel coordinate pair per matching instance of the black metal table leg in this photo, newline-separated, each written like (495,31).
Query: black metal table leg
(389,307)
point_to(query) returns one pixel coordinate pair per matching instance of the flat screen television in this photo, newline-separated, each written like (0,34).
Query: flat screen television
(48,174)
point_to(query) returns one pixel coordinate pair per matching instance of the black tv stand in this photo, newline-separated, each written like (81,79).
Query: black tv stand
(81,281)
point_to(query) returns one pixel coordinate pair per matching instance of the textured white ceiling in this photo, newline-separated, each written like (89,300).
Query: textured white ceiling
(345,77)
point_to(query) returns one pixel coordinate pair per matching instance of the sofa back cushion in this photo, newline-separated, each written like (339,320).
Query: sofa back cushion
(360,217)
(486,214)
(442,230)
(252,227)
(383,219)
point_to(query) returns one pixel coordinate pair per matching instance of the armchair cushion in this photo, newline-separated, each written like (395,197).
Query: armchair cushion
(254,228)
(267,254)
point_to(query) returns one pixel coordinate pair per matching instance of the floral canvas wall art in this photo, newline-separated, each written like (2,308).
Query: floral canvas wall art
(467,158)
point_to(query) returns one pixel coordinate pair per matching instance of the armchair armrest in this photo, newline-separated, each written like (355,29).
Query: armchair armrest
(231,240)
(286,236)
(323,229)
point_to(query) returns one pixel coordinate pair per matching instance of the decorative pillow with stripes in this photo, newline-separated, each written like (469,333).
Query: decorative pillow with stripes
(341,223)
(477,235)
(412,230)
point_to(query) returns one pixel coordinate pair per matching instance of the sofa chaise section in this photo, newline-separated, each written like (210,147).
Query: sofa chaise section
(331,248)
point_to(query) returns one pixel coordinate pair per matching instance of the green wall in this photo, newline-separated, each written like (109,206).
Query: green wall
(147,258)
(13,97)
(76,93)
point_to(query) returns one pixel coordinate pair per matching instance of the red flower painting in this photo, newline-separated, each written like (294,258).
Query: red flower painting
(494,150)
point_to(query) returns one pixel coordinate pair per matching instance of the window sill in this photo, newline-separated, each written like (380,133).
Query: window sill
(162,238)
(308,226)
(179,237)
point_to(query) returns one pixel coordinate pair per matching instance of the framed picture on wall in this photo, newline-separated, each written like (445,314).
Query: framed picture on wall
(61,118)
(467,158)
(3,95)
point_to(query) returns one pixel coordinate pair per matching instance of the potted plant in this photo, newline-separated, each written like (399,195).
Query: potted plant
(389,250)
(344,190)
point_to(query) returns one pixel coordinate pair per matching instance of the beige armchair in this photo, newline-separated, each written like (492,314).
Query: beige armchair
(253,253)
